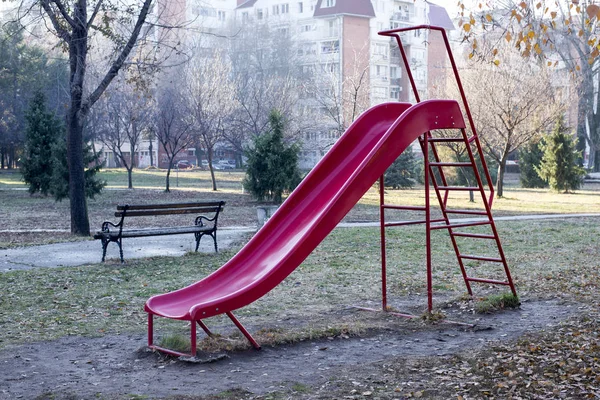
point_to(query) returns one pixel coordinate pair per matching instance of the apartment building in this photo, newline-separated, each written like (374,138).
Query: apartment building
(335,44)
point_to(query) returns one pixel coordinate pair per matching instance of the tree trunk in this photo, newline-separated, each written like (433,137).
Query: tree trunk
(129,177)
(167,182)
(150,150)
(80,224)
(500,179)
(209,156)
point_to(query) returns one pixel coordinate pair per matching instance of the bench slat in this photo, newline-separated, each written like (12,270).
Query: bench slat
(158,231)
(121,207)
(151,212)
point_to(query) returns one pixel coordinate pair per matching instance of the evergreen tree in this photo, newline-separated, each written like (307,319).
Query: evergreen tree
(60,171)
(401,174)
(530,159)
(559,163)
(272,167)
(43,131)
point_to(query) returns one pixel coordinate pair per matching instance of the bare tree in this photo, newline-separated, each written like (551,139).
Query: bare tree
(511,104)
(209,97)
(75,23)
(128,117)
(171,130)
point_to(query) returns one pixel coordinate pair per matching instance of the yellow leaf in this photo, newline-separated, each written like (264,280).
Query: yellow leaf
(488,17)
(474,43)
(553,14)
(567,22)
(508,37)
(471,55)
(578,68)
(466,27)
(523,4)
(495,52)
(537,49)
(549,63)
(580,33)
(578,9)
(538,5)
(519,18)
(531,34)
(590,61)
(496,62)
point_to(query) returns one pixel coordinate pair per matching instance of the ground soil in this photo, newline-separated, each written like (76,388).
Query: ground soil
(115,366)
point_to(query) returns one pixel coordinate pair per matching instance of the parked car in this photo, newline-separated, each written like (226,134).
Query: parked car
(183,164)
(227,164)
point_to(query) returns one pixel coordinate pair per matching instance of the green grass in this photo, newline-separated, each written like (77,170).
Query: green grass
(548,259)
(497,302)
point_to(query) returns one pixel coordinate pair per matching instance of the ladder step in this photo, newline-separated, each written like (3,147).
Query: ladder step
(473,235)
(452,226)
(469,212)
(403,223)
(495,282)
(480,258)
(450,164)
(446,140)
(411,208)
(463,188)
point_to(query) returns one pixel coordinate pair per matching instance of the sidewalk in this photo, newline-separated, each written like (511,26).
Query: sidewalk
(90,252)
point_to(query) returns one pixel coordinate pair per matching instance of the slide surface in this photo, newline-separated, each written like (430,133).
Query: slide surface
(311,212)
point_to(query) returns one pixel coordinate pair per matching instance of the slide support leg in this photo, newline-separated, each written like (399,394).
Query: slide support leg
(243,330)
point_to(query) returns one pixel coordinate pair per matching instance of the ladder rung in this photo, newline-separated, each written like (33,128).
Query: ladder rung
(446,140)
(403,223)
(480,258)
(473,235)
(495,282)
(469,212)
(464,188)
(452,226)
(450,164)
(451,140)
(411,208)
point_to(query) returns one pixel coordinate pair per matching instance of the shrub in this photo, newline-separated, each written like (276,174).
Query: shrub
(272,166)
(402,173)
(559,163)
(530,159)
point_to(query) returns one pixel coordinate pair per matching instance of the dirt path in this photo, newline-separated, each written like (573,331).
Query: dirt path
(75,367)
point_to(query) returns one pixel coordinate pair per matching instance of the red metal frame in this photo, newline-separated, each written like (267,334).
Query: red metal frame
(427,142)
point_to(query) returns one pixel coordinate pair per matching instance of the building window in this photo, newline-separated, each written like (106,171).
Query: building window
(259,13)
(285,8)
(276,9)
(381,49)
(329,3)
(395,93)
(245,16)
(333,28)
(300,7)
(221,15)
(332,46)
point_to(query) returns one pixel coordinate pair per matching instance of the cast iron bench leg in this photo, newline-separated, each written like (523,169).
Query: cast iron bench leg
(105,243)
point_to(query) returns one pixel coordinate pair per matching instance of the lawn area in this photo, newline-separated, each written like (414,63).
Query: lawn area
(551,260)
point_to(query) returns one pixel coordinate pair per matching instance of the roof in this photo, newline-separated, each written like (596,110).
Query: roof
(438,16)
(360,8)
(246,4)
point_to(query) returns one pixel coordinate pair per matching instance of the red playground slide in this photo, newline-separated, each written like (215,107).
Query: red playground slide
(329,191)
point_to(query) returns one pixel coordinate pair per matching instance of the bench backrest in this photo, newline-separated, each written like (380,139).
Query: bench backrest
(142,210)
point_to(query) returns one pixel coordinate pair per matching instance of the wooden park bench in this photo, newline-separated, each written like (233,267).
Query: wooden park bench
(207,214)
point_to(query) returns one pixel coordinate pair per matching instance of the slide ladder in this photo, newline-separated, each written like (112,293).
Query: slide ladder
(457,221)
